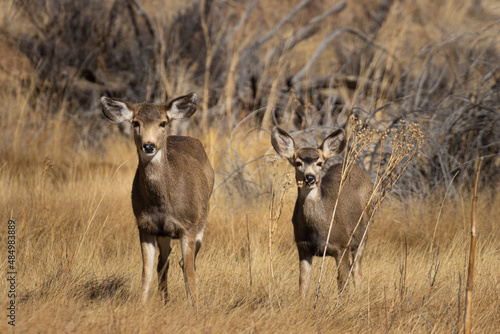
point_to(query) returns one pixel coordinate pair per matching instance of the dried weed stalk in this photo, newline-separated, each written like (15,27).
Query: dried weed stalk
(278,193)
(470,277)
(405,144)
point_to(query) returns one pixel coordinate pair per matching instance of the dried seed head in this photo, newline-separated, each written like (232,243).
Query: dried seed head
(288,183)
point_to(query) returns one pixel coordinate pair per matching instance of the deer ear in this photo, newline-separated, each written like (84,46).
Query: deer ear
(333,144)
(116,110)
(283,143)
(182,107)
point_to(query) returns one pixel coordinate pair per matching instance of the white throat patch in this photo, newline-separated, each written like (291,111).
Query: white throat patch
(157,157)
(147,158)
(309,194)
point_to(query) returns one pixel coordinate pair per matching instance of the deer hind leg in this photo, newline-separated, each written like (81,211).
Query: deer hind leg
(198,239)
(188,247)
(342,258)
(148,255)
(163,263)
(357,256)
(305,259)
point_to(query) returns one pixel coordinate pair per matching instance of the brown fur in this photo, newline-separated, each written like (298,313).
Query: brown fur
(171,189)
(316,201)
(161,207)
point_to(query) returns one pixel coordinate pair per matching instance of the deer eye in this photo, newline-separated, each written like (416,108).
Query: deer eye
(135,124)
(319,164)
(298,163)
(163,124)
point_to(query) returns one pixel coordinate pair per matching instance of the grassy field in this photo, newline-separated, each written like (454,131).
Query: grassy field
(77,251)
(78,260)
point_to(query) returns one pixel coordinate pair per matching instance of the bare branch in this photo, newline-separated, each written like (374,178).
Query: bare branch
(284,21)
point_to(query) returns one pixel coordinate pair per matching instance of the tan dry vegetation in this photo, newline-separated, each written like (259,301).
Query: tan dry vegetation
(79,262)
(78,254)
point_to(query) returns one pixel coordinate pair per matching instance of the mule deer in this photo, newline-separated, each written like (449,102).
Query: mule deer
(316,202)
(171,188)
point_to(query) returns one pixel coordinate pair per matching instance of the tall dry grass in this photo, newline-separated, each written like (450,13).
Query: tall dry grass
(77,248)
(79,262)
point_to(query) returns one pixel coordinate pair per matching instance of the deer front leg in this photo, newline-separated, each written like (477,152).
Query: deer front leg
(188,247)
(163,264)
(305,259)
(148,254)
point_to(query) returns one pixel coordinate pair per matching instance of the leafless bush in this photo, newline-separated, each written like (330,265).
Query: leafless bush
(86,49)
(457,103)
(451,87)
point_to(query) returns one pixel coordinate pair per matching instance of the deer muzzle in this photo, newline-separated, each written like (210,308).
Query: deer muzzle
(310,179)
(148,148)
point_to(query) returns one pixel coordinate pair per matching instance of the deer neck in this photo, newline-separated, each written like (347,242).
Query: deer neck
(152,169)
(310,203)
(310,194)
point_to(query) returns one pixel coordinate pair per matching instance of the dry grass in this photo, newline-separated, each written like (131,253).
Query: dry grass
(78,255)
(79,263)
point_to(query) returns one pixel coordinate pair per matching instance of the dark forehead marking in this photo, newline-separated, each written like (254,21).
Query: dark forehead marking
(149,111)
(308,155)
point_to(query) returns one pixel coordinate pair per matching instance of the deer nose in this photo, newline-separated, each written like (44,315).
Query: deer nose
(148,148)
(310,179)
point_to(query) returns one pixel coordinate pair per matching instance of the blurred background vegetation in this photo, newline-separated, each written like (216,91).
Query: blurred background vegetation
(300,64)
